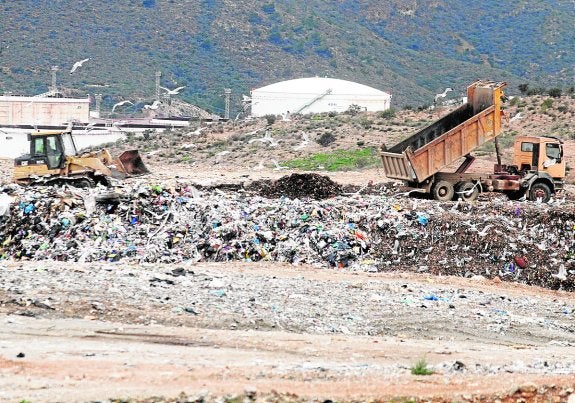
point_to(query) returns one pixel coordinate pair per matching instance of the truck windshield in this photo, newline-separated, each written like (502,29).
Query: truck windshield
(553,151)
(527,147)
(68,143)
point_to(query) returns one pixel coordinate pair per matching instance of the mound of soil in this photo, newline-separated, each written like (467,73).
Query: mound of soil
(299,186)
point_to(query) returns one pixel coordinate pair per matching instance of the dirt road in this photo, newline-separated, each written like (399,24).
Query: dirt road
(81,333)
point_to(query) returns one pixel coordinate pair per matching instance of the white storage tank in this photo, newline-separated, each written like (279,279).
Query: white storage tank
(316,95)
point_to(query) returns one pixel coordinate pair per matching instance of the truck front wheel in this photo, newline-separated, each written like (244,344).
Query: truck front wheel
(540,191)
(443,191)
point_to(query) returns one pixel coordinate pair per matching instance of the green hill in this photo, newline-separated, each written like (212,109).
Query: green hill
(410,49)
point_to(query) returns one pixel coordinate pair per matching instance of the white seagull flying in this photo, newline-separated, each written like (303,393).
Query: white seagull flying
(267,138)
(175,91)
(278,167)
(443,94)
(304,142)
(120,104)
(561,273)
(77,65)
(516,117)
(154,105)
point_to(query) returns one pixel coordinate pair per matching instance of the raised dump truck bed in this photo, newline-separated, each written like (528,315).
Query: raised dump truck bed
(538,168)
(419,157)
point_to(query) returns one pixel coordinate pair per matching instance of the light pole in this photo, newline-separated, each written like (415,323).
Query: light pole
(227,94)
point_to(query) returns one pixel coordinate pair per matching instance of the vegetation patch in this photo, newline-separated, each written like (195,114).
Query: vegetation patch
(420,368)
(340,160)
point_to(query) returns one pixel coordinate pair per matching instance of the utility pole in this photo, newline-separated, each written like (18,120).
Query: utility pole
(98,103)
(227,94)
(54,86)
(167,98)
(158,76)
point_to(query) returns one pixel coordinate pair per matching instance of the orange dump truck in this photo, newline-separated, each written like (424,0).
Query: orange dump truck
(537,171)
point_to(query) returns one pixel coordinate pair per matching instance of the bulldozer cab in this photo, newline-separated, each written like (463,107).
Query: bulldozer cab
(54,157)
(47,149)
(51,147)
(541,154)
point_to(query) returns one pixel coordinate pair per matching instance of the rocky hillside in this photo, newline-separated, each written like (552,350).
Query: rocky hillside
(411,49)
(336,142)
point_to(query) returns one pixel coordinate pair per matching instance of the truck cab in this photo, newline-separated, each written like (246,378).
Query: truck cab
(540,162)
(540,154)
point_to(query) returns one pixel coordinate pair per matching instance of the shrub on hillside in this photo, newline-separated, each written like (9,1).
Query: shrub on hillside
(536,91)
(353,109)
(548,103)
(326,139)
(387,114)
(555,92)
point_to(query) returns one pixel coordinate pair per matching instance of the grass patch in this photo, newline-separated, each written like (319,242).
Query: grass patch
(340,160)
(420,368)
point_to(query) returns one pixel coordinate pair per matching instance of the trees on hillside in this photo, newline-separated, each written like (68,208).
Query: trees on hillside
(554,92)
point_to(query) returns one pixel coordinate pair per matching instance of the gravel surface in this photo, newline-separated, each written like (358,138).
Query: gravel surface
(463,328)
(202,295)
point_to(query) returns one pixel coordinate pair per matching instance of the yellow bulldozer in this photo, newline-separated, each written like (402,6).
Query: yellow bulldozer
(54,160)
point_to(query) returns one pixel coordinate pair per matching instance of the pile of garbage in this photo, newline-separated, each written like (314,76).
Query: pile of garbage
(517,241)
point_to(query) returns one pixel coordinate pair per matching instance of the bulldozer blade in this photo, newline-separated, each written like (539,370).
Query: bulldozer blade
(130,162)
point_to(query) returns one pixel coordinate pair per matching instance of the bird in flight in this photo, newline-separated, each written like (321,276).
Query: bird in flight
(89,127)
(443,94)
(516,117)
(120,104)
(77,65)
(175,91)
(278,167)
(154,105)
(304,142)
(267,138)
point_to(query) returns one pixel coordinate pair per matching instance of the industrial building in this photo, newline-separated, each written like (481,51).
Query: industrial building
(42,111)
(316,95)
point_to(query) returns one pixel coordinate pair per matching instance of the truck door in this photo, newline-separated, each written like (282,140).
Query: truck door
(554,163)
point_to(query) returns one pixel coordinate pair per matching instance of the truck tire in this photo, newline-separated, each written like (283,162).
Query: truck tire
(443,191)
(467,191)
(541,191)
(516,194)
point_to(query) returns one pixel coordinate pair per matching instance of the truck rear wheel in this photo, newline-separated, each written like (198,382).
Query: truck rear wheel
(467,191)
(541,191)
(516,194)
(443,191)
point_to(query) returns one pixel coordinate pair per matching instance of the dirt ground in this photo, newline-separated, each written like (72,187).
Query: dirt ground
(85,342)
